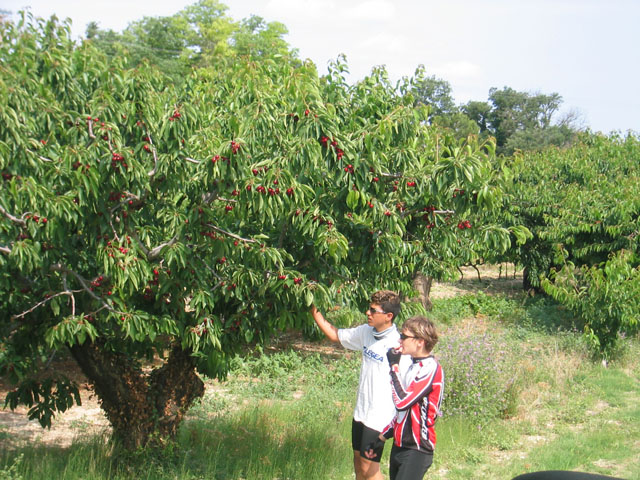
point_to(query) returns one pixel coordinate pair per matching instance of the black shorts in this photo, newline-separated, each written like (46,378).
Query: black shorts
(408,464)
(361,436)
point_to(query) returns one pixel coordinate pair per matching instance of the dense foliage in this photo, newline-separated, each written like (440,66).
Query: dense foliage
(581,205)
(144,220)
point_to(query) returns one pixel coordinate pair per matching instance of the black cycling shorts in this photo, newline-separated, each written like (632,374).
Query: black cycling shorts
(408,464)
(361,436)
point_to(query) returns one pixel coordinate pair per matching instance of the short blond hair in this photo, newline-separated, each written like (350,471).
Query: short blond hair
(422,327)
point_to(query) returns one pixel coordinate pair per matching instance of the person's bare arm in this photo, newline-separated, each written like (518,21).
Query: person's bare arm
(330,331)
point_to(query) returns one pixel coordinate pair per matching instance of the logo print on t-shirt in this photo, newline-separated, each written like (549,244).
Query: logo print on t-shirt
(373,355)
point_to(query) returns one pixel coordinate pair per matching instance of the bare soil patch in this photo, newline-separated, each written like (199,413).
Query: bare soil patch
(89,420)
(490,279)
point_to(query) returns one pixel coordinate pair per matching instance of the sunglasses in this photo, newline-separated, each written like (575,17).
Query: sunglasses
(375,310)
(404,337)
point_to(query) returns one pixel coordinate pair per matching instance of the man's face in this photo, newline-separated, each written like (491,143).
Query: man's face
(378,318)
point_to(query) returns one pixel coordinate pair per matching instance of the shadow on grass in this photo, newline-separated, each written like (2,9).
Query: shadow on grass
(270,441)
(259,441)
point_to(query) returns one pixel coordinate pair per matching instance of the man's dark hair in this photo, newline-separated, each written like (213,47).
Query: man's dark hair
(388,300)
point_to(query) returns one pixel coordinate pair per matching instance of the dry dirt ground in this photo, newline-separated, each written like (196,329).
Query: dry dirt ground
(88,419)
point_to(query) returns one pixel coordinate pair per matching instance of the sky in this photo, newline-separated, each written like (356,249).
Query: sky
(588,51)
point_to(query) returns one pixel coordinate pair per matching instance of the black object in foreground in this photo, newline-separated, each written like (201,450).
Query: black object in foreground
(563,475)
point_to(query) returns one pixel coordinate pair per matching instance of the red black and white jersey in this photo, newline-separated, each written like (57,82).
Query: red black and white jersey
(417,395)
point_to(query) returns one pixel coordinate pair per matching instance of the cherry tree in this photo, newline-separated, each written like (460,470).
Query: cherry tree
(152,231)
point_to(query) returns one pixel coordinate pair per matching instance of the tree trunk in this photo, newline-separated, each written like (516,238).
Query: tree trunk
(143,408)
(422,283)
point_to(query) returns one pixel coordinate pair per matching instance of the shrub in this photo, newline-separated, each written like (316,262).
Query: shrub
(479,377)
(606,297)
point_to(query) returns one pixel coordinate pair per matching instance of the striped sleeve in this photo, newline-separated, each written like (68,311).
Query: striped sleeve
(415,391)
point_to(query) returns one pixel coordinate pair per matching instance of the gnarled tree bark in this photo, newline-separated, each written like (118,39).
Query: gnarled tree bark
(143,408)
(422,283)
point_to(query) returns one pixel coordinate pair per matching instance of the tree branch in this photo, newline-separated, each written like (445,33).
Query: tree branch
(6,250)
(17,220)
(61,268)
(155,156)
(44,159)
(90,123)
(156,250)
(232,235)
(39,304)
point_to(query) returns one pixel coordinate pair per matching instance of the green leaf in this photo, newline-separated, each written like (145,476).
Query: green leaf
(308,298)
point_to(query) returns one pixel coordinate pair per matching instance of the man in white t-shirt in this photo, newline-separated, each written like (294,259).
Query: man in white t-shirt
(374,406)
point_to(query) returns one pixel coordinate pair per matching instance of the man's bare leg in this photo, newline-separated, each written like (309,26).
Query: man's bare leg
(366,469)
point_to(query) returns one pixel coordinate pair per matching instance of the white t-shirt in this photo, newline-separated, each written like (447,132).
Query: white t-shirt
(374,405)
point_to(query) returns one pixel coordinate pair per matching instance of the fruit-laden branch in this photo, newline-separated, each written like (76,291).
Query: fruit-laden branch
(129,197)
(391,175)
(14,219)
(61,268)
(232,235)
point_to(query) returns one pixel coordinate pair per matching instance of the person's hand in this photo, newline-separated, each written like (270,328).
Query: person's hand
(393,355)
(370,449)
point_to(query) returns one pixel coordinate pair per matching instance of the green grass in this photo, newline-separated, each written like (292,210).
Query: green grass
(287,414)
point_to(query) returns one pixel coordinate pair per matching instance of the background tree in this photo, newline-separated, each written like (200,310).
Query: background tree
(581,206)
(200,35)
(480,113)
(256,38)
(521,120)
(147,220)
(436,94)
